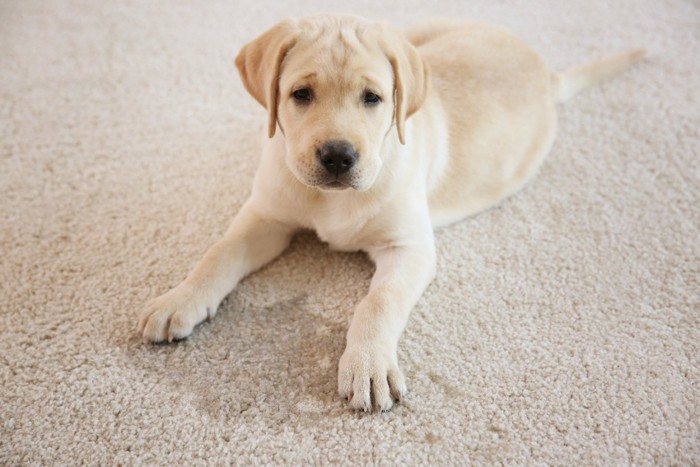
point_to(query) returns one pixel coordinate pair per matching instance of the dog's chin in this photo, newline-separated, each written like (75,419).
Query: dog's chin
(326,184)
(335,185)
(329,183)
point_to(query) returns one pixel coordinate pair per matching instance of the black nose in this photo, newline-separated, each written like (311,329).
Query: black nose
(337,156)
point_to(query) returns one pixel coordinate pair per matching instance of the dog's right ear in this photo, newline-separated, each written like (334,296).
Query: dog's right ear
(259,62)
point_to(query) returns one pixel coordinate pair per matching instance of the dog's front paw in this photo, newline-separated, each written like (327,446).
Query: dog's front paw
(174,315)
(369,376)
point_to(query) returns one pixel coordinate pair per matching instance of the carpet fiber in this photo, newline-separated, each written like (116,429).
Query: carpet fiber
(563,326)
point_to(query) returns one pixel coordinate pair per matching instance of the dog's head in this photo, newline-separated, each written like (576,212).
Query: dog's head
(337,86)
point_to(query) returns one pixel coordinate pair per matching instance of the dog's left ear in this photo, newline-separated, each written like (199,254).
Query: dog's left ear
(410,77)
(259,62)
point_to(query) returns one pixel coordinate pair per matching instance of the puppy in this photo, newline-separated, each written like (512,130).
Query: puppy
(375,139)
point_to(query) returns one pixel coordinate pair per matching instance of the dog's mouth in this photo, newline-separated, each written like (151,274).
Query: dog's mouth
(334,185)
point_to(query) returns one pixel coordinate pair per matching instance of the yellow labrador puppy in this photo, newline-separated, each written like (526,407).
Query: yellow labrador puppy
(375,139)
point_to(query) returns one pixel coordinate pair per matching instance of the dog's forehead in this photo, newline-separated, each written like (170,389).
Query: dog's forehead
(340,52)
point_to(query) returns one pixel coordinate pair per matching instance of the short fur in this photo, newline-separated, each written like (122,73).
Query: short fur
(466,116)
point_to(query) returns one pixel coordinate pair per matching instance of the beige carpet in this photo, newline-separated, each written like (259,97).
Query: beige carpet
(563,327)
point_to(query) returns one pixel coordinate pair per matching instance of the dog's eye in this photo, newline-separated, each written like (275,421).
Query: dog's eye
(302,95)
(371,98)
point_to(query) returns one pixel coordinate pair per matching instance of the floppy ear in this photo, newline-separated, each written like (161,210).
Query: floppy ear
(410,77)
(259,62)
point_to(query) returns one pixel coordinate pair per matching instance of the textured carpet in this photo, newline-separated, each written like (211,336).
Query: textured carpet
(563,326)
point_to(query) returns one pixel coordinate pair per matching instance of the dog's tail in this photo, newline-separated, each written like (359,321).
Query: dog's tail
(573,80)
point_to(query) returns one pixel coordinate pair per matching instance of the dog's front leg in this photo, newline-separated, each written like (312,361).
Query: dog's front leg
(251,241)
(369,368)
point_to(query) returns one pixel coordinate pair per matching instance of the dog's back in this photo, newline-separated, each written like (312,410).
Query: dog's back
(498,97)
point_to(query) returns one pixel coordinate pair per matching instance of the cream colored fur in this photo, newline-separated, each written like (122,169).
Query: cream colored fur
(467,114)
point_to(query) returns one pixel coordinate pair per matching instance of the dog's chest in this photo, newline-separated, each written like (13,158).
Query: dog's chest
(339,233)
(340,226)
